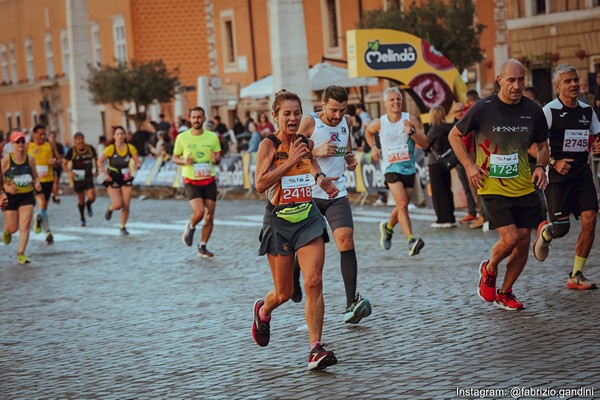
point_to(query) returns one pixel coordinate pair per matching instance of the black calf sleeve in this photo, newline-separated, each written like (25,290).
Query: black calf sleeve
(559,229)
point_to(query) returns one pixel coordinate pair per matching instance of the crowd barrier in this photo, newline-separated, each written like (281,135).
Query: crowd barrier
(236,172)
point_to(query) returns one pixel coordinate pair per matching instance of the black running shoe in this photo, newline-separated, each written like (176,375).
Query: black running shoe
(297,295)
(124,231)
(108,214)
(188,235)
(261,331)
(204,252)
(319,358)
(49,238)
(415,245)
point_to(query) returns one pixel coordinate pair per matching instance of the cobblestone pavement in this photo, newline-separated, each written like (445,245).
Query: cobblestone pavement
(98,315)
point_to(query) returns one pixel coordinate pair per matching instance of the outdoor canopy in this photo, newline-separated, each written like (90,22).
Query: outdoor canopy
(320,76)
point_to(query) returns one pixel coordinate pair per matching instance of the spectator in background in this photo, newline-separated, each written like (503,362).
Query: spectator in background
(439,175)
(238,127)
(221,129)
(57,166)
(141,138)
(265,127)
(255,137)
(355,126)
(248,120)
(101,144)
(365,120)
(163,125)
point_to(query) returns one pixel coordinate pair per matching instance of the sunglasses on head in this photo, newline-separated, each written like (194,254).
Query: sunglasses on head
(20,141)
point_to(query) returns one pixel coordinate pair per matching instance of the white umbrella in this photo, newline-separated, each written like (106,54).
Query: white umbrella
(259,89)
(320,76)
(325,74)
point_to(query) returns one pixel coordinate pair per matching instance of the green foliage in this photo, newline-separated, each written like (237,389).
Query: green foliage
(451,28)
(132,86)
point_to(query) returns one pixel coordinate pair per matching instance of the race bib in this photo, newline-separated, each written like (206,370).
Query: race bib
(23,180)
(576,140)
(296,188)
(504,166)
(397,154)
(201,170)
(42,170)
(126,174)
(79,175)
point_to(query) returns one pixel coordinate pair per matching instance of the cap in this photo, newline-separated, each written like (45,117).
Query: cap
(16,136)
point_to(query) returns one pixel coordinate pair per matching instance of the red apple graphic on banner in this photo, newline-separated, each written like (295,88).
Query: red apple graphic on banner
(434,57)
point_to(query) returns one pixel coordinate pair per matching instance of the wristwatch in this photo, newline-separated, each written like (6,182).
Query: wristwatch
(317,175)
(552,162)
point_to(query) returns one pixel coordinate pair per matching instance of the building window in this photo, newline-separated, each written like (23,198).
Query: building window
(13,62)
(66,53)
(119,39)
(29,59)
(34,118)
(9,121)
(332,36)
(96,53)
(4,63)
(539,7)
(397,4)
(229,44)
(18,120)
(49,56)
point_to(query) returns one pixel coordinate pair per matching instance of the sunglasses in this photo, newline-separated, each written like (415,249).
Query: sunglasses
(20,141)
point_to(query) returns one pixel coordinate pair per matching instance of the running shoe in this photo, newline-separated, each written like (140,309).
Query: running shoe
(319,358)
(204,252)
(540,244)
(359,309)
(124,231)
(580,282)
(468,218)
(37,225)
(49,237)
(297,295)
(415,245)
(508,301)
(487,283)
(386,236)
(23,259)
(261,331)
(108,214)
(82,222)
(56,199)
(478,223)
(188,234)
(6,238)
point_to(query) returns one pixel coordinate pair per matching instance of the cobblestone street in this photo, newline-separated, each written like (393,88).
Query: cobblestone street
(98,315)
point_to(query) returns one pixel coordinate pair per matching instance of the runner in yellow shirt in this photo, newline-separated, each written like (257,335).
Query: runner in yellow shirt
(198,150)
(46,156)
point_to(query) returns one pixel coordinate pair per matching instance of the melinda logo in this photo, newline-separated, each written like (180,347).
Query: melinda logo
(390,56)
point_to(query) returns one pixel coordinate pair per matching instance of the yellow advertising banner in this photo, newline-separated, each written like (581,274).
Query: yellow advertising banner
(387,53)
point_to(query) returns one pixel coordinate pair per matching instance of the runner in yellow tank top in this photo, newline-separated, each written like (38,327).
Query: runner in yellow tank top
(45,155)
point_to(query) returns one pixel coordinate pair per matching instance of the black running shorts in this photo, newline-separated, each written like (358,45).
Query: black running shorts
(279,236)
(523,211)
(208,192)
(19,199)
(337,212)
(46,189)
(574,196)
(82,186)
(407,180)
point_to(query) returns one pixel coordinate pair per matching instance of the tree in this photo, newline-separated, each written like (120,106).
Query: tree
(449,26)
(133,87)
